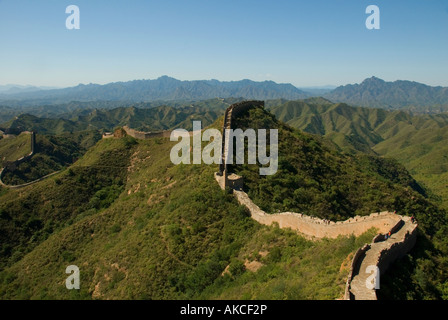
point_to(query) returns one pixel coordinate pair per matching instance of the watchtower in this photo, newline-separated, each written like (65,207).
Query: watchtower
(232,180)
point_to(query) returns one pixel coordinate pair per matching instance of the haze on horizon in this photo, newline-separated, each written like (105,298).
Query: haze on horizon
(307,44)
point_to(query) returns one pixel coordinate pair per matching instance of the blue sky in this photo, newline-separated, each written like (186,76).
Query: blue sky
(306,43)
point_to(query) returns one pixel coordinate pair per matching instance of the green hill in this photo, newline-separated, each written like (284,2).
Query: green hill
(147,229)
(139,227)
(315,179)
(416,141)
(144,119)
(14,147)
(52,153)
(64,139)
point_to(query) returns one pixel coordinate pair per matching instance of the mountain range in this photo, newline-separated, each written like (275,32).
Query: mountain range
(145,119)
(164,88)
(377,93)
(372,92)
(416,141)
(16,88)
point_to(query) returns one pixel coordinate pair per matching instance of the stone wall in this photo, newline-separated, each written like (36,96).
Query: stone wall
(353,266)
(12,165)
(380,252)
(385,252)
(230,114)
(28,183)
(142,135)
(147,135)
(108,135)
(312,227)
(397,249)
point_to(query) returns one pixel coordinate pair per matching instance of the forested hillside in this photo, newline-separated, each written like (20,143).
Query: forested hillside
(145,119)
(416,141)
(140,227)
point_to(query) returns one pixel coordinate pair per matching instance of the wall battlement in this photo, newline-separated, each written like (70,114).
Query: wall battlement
(380,254)
(311,227)
(147,135)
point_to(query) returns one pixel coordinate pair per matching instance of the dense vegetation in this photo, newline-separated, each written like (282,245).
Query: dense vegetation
(416,141)
(52,153)
(52,204)
(311,177)
(141,228)
(316,180)
(145,119)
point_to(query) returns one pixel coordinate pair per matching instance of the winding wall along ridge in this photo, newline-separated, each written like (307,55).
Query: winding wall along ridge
(19,161)
(380,253)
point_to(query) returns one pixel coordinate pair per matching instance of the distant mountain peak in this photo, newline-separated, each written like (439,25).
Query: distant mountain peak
(373,79)
(377,93)
(165,77)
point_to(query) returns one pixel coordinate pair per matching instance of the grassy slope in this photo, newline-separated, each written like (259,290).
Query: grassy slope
(12,149)
(169,234)
(421,147)
(316,180)
(141,228)
(29,216)
(52,153)
(418,142)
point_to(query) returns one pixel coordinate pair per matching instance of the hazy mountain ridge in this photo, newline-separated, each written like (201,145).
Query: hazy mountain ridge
(15,88)
(372,92)
(377,93)
(166,88)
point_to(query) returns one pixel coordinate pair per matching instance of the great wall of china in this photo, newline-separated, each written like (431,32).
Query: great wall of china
(13,164)
(380,253)
(131,132)
(140,134)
